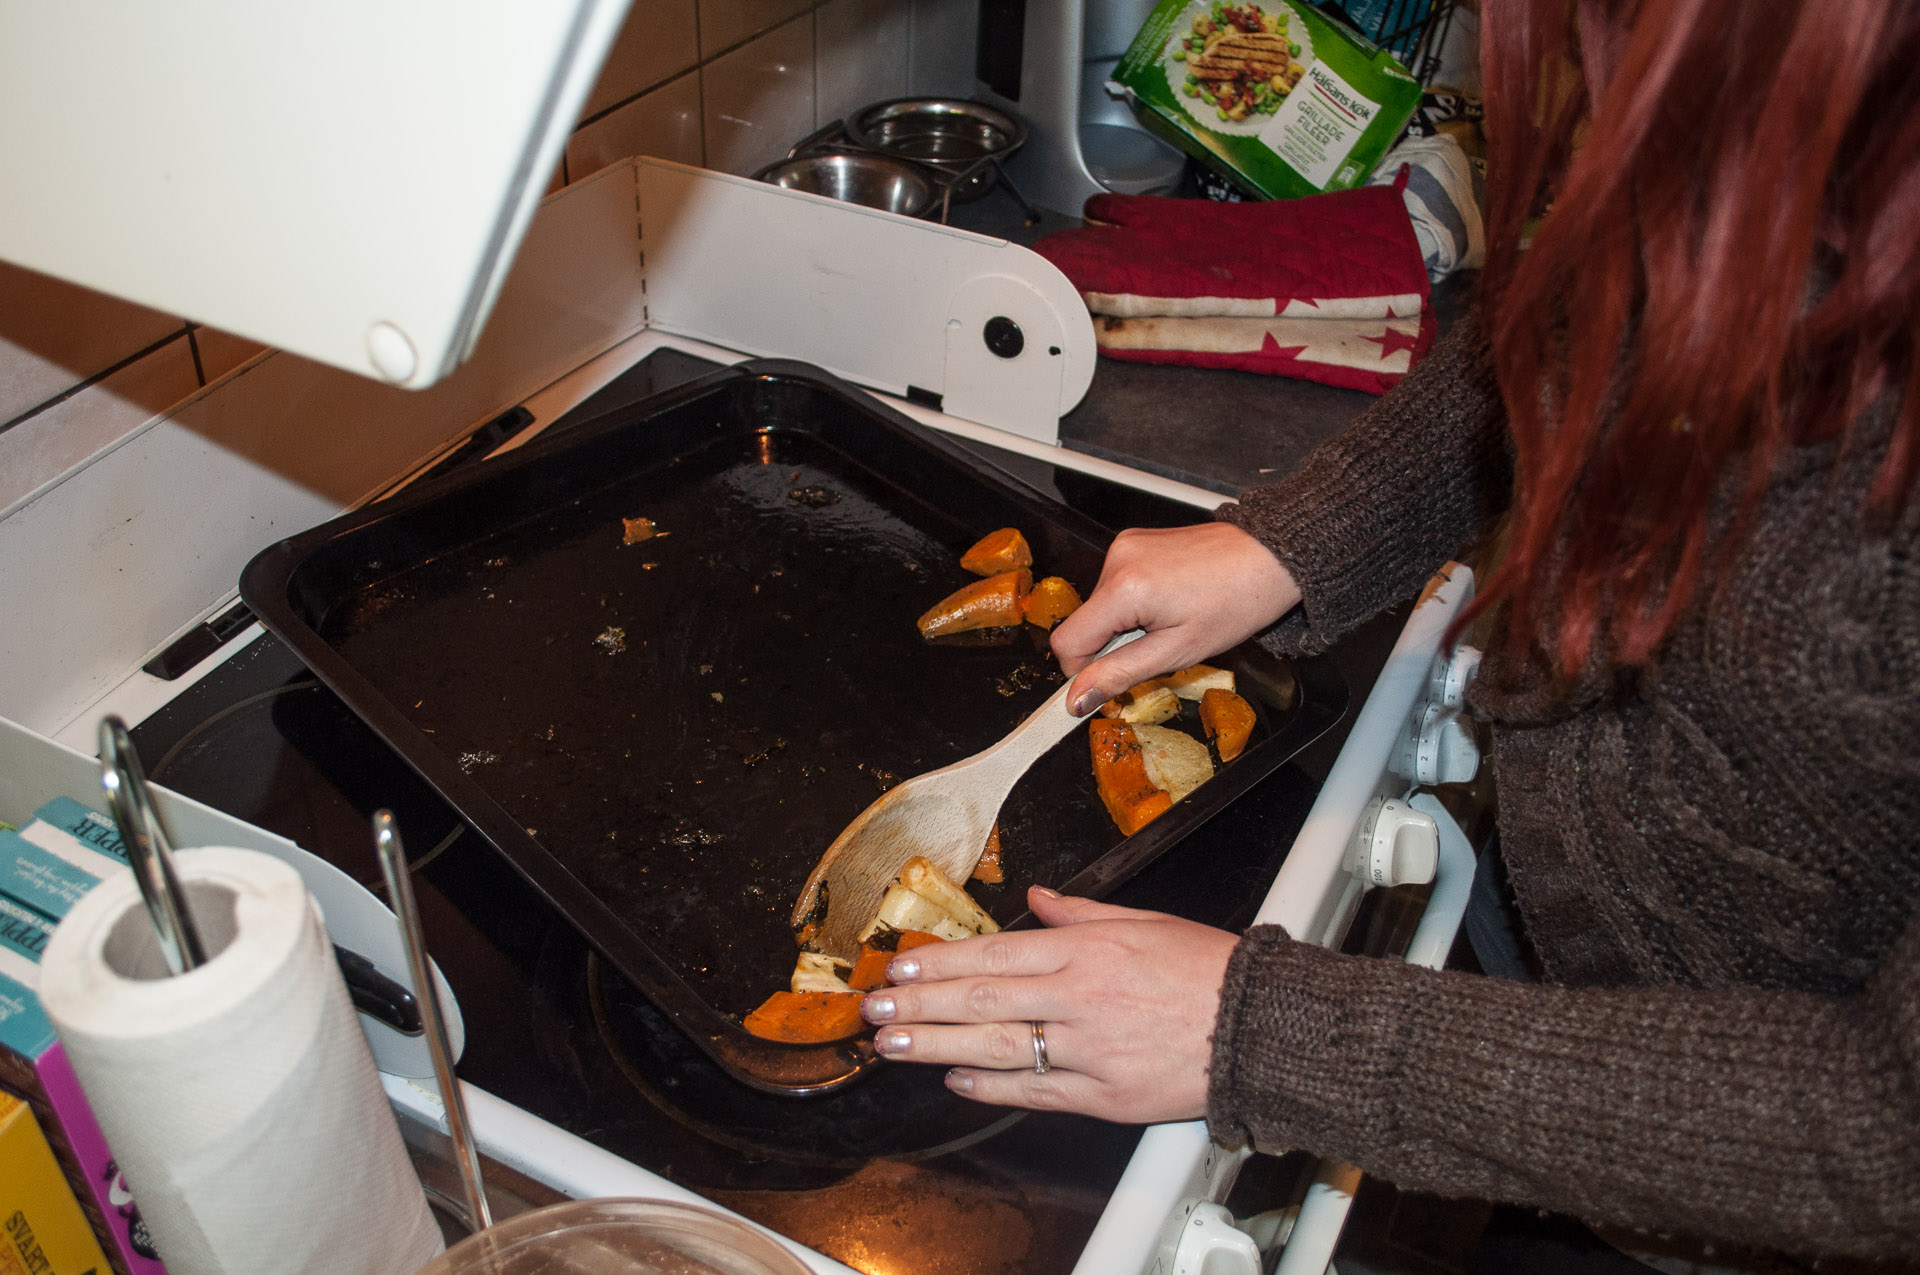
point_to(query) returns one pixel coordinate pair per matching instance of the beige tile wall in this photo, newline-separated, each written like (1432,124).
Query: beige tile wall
(726,84)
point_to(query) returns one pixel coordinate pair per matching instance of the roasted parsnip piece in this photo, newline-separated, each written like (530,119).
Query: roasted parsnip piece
(818,972)
(925,899)
(1196,680)
(1152,702)
(1175,760)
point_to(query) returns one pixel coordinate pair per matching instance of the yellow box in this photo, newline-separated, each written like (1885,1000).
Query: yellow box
(42,1230)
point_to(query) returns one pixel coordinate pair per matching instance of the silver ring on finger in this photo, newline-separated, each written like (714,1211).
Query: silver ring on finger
(1040,1064)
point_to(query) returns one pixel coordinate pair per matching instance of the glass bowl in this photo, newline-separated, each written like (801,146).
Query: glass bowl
(618,1237)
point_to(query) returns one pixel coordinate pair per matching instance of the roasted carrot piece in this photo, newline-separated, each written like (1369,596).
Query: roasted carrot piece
(984,604)
(807,1018)
(1229,721)
(870,969)
(1051,601)
(988,869)
(997,551)
(1121,776)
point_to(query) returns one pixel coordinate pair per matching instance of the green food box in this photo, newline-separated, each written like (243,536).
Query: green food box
(1277,97)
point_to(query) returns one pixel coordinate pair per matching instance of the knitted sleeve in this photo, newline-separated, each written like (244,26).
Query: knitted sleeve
(1376,509)
(1782,1118)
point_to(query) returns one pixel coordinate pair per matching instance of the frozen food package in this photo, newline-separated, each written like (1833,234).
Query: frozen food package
(1274,95)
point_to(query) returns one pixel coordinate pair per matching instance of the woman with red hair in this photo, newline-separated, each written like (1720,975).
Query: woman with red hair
(1693,403)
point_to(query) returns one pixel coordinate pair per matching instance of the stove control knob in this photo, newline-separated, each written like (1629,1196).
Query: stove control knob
(1451,673)
(1397,844)
(1210,1244)
(1444,751)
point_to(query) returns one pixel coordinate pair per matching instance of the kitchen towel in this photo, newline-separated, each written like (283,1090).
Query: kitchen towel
(1354,354)
(1442,191)
(1330,288)
(1348,255)
(239,1098)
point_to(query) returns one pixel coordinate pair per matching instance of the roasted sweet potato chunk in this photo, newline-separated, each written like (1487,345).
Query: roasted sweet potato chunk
(1051,601)
(984,604)
(870,970)
(997,551)
(1229,722)
(1120,773)
(807,1018)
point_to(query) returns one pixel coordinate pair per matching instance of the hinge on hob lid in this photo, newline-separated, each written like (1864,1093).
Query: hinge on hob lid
(990,330)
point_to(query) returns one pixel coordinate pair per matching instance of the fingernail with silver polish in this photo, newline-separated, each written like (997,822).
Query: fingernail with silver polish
(877,1009)
(893,1041)
(959,1082)
(903,970)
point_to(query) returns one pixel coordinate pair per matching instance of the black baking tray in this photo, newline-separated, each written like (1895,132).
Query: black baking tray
(664,736)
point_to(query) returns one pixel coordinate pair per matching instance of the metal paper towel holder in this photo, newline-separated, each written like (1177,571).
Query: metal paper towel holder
(148,851)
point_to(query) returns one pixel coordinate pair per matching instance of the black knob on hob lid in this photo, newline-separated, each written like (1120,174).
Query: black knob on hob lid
(1003,336)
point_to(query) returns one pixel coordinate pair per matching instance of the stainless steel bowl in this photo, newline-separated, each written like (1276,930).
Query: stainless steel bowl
(873,180)
(951,134)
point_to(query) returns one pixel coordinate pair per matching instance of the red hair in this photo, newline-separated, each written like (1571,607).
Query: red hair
(1705,161)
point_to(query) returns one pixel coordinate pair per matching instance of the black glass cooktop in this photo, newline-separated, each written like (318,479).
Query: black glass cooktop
(894,1174)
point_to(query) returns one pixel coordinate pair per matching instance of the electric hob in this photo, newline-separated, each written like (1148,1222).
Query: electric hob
(893,1174)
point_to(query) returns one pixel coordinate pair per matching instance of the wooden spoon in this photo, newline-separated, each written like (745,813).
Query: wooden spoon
(945,815)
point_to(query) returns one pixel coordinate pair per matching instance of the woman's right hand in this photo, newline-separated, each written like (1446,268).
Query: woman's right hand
(1195,590)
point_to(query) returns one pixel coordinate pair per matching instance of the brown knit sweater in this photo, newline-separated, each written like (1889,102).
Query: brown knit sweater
(1716,862)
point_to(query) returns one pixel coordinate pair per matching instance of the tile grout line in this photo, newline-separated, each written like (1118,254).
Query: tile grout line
(701,63)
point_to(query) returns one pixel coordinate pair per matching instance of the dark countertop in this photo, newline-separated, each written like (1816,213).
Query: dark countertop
(1220,430)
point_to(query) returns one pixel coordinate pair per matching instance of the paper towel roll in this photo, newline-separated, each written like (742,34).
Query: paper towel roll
(238,1098)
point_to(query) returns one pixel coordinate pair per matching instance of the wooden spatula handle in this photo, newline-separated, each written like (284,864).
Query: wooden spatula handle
(1046,725)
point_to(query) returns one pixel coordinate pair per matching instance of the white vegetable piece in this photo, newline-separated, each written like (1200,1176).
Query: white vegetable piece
(818,972)
(926,899)
(1176,762)
(1150,702)
(1193,682)
(937,887)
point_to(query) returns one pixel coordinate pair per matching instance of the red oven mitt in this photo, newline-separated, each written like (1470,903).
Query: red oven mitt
(1331,288)
(1351,254)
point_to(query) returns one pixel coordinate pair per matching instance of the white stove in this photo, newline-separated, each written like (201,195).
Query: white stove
(146,538)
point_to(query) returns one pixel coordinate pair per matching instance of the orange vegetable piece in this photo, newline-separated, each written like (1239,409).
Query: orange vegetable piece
(1120,774)
(807,1018)
(988,869)
(1051,601)
(997,551)
(1229,721)
(870,969)
(984,604)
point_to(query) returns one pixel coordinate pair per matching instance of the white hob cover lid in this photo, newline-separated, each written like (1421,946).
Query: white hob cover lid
(348,181)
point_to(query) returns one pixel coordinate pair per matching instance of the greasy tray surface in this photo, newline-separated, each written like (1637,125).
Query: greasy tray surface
(664,736)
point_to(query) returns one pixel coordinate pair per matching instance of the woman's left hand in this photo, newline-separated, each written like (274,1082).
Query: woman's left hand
(1126,1001)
